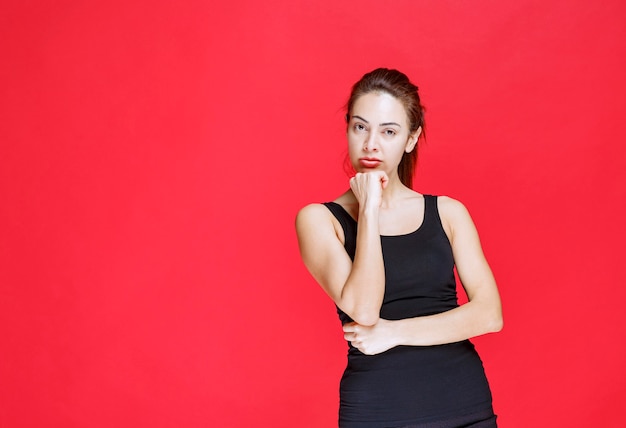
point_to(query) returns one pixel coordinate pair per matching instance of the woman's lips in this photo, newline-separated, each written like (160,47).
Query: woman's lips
(369,162)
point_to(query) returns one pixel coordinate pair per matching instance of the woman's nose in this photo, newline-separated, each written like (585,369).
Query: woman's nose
(370,145)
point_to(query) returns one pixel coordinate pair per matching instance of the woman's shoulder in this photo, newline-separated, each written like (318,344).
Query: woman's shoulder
(312,213)
(452,213)
(317,223)
(448,204)
(316,212)
(315,218)
(346,200)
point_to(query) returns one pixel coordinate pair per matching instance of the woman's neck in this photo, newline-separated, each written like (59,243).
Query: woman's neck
(394,191)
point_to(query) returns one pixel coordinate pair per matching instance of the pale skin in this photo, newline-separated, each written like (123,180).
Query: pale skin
(378,135)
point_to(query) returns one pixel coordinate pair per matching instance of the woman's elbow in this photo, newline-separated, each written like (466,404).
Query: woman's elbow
(495,322)
(366,319)
(363,313)
(364,316)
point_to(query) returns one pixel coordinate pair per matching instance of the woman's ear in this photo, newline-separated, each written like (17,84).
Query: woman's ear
(412,141)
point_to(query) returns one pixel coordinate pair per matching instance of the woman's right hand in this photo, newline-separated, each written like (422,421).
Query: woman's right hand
(368,188)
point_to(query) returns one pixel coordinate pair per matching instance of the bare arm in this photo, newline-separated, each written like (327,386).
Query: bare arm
(481,314)
(356,287)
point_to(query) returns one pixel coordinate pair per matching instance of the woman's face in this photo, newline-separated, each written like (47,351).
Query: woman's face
(378,133)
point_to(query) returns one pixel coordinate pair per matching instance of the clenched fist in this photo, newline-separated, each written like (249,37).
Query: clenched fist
(368,188)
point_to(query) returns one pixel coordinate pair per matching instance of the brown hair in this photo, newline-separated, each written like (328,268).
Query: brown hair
(399,86)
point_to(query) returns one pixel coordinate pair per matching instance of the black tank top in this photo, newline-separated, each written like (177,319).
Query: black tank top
(410,385)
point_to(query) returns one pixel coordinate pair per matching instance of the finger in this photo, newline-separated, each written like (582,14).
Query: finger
(384,180)
(349,327)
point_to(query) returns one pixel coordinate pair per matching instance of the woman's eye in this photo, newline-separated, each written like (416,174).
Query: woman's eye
(359,127)
(390,132)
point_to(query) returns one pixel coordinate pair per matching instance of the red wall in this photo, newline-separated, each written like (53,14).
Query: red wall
(154,154)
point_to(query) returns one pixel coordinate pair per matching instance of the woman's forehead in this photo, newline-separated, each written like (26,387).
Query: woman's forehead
(379,106)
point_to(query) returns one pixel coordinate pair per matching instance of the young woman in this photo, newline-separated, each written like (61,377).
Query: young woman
(385,255)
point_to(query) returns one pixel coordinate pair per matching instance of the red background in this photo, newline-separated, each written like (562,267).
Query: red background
(154,154)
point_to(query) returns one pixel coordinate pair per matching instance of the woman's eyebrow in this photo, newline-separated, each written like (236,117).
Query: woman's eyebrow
(360,118)
(382,124)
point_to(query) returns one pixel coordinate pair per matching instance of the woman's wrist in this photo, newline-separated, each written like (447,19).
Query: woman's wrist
(400,332)
(369,213)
